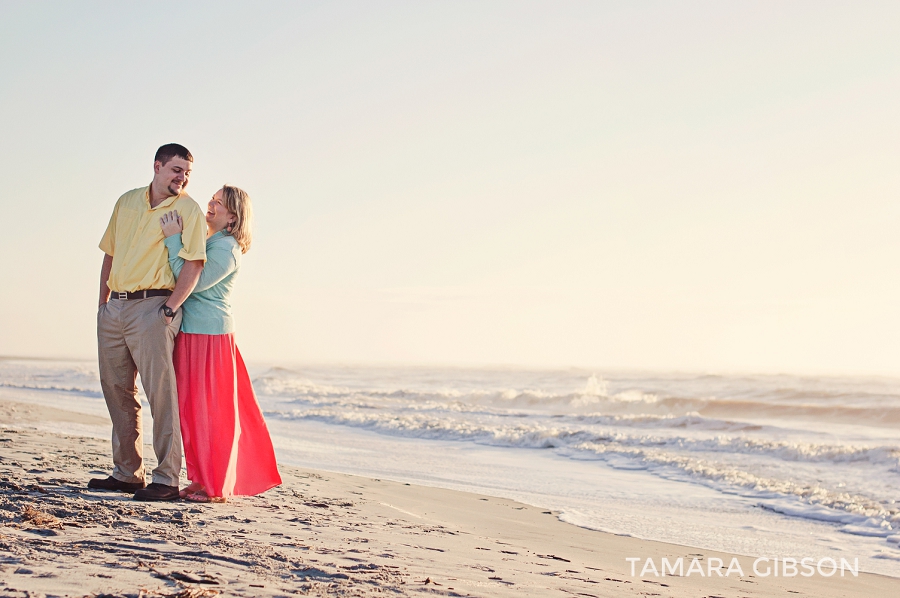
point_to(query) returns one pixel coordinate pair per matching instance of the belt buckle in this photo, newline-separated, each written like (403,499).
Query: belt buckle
(123,296)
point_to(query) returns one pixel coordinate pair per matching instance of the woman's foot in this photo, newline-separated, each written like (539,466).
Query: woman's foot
(192,489)
(202,496)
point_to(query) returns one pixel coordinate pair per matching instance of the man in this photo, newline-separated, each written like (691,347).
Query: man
(137,323)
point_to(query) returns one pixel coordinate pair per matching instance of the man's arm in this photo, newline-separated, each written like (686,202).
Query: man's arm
(105,269)
(187,280)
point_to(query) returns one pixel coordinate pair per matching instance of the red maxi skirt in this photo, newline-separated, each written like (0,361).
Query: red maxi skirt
(227,447)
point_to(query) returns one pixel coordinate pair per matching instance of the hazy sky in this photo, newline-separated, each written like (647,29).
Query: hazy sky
(667,185)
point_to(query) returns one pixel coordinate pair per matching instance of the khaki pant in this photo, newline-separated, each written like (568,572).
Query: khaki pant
(132,337)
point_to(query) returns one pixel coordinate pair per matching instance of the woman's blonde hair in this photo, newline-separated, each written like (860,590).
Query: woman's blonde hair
(238,203)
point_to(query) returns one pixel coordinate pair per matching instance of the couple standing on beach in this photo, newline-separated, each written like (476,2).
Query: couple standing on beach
(165,313)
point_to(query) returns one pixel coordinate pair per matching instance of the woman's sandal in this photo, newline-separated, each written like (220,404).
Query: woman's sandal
(202,496)
(193,488)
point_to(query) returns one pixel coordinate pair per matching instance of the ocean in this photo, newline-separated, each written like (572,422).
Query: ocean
(760,465)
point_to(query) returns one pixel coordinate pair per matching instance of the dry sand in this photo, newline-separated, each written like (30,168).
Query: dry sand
(319,534)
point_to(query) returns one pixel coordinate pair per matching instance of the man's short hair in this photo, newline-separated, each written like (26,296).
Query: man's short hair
(172,150)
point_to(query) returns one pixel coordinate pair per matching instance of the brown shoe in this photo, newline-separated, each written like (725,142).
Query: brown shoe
(155,492)
(112,483)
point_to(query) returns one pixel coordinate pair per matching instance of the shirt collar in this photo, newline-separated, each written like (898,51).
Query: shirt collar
(163,204)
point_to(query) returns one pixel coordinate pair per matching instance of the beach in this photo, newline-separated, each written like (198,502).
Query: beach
(759,465)
(577,299)
(320,534)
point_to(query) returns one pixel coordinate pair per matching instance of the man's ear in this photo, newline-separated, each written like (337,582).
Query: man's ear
(156,166)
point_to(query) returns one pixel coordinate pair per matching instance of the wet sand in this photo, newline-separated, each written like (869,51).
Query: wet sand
(319,534)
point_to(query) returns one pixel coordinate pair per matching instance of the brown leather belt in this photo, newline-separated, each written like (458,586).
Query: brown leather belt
(140,294)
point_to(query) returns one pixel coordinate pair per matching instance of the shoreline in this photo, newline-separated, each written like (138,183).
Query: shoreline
(321,533)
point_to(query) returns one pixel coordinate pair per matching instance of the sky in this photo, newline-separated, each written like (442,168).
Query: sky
(697,186)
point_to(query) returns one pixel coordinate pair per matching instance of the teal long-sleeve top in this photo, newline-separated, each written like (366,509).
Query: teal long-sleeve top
(208,309)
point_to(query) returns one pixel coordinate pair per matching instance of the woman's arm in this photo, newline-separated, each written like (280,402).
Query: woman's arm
(172,226)
(220,263)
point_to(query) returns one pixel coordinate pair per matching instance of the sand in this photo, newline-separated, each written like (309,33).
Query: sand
(320,534)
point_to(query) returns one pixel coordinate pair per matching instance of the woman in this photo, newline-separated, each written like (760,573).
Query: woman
(227,447)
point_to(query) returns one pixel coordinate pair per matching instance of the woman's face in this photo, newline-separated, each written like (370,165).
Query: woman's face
(217,215)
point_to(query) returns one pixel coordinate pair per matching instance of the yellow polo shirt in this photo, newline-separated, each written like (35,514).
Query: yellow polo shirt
(135,239)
